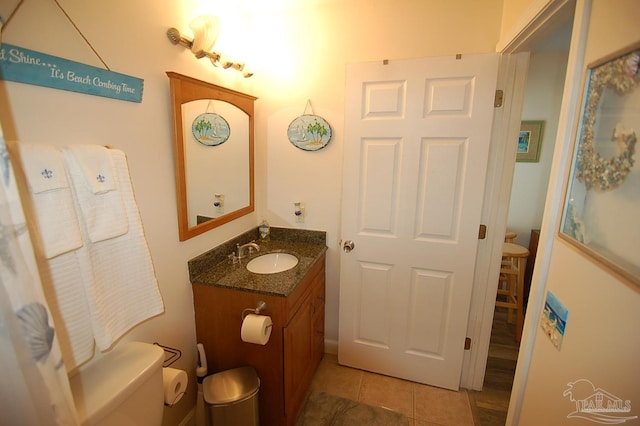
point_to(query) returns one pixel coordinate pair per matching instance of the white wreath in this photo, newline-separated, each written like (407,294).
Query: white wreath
(620,74)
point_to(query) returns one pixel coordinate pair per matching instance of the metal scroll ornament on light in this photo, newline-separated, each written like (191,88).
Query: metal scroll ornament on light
(205,34)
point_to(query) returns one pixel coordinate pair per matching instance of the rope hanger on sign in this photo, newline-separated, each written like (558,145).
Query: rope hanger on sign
(13,12)
(308,106)
(210,107)
(64,12)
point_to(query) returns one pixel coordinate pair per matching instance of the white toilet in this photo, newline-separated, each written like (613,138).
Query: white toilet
(122,388)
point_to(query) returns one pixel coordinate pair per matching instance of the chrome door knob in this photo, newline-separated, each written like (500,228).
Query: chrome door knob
(348,246)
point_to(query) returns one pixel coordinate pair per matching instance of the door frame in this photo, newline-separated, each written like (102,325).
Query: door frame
(512,76)
(569,112)
(541,18)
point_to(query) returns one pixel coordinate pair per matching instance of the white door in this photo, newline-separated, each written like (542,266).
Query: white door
(416,144)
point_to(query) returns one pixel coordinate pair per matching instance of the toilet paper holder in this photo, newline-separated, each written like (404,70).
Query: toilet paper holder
(260,306)
(171,355)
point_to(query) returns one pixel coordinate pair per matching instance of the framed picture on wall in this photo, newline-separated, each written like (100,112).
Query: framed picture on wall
(601,199)
(530,141)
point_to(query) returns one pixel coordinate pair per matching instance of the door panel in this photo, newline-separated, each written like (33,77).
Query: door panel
(379,186)
(430,302)
(440,188)
(373,305)
(416,145)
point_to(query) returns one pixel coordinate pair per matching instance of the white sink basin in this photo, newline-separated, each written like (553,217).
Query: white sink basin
(272,263)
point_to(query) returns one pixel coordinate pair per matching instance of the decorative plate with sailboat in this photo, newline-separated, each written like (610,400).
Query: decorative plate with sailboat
(210,129)
(309,132)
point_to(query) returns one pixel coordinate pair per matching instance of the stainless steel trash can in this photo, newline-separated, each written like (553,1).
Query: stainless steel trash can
(232,397)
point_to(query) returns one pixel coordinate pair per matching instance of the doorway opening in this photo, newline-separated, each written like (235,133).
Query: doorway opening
(542,101)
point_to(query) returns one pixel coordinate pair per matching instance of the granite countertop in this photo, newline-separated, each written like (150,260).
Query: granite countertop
(213,267)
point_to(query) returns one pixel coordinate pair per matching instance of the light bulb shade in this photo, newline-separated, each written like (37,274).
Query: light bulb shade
(205,30)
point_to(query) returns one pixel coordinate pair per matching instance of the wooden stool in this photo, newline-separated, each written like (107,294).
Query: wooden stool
(510,236)
(511,285)
(507,262)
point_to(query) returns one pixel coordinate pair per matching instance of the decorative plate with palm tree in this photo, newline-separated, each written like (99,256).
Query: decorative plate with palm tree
(210,129)
(309,132)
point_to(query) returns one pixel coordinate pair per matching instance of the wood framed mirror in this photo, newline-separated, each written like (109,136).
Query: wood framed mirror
(213,153)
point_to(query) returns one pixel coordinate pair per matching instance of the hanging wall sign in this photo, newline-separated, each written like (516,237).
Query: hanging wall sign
(31,67)
(309,132)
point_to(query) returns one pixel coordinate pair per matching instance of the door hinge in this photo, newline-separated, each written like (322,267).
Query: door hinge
(497,100)
(482,232)
(467,343)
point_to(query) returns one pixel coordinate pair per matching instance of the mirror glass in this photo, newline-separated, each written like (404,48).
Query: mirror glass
(213,141)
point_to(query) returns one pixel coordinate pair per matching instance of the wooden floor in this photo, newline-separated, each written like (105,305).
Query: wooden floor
(490,406)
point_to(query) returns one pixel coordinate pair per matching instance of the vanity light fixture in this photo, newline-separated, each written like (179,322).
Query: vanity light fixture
(205,31)
(205,34)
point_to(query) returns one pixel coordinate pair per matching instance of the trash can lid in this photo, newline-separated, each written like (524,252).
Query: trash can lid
(232,385)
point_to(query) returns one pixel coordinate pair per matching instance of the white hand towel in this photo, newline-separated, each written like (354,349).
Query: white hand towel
(43,167)
(124,291)
(103,212)
(54,211)
(97,166)
(63,281)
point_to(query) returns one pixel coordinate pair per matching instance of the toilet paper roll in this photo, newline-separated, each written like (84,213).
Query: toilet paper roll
(256,329)
(174,382)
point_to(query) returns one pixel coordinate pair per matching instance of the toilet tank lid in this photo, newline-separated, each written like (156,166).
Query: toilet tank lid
(108,381)
(229,386)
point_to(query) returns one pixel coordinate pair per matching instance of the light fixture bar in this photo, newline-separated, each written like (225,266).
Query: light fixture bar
(174,36)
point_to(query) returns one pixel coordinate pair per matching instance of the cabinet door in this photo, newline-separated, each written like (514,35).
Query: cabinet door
(298,367)
(317,305)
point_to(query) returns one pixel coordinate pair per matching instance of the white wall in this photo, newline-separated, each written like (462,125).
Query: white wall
(542,99)
(298,55)
(600,342)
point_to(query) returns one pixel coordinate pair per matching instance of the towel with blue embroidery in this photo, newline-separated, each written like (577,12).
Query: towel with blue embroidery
(59,240)
(124,290)
(52,202)
(95,184)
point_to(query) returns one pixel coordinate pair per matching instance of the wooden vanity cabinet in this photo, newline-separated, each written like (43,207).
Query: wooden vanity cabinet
(304,345)
(286,364)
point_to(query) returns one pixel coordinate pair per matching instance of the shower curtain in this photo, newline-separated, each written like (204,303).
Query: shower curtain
(34,389)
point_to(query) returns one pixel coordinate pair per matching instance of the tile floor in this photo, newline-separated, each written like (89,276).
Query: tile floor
(423,405)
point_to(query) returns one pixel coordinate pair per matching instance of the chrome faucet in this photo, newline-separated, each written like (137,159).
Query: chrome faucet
(240,249)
